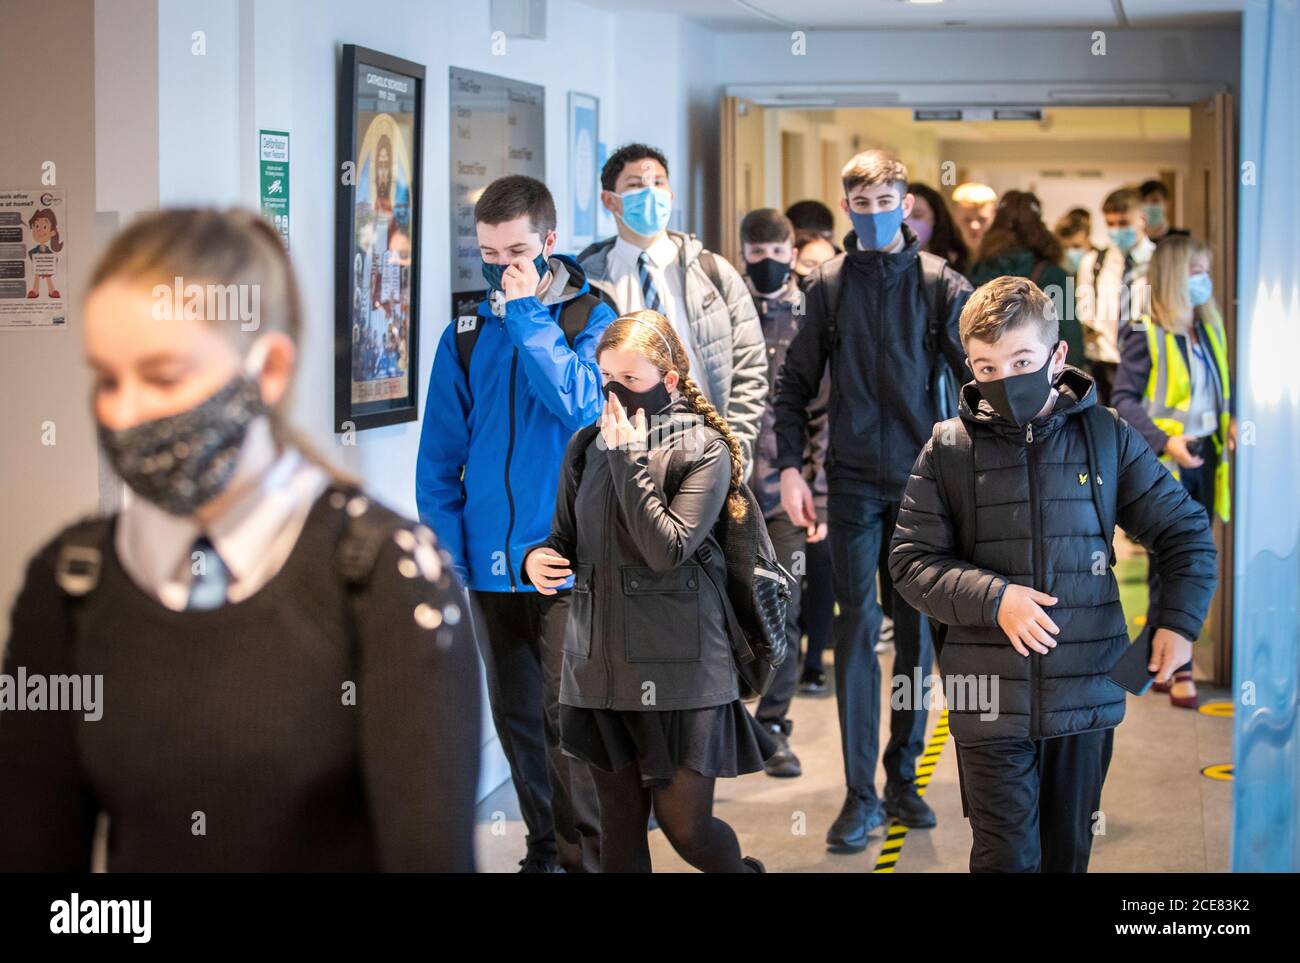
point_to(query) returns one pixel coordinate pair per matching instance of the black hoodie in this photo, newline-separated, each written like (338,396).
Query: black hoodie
(1036,525)
(881,410)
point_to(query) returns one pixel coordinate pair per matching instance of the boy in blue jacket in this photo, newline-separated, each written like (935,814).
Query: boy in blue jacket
(510,385)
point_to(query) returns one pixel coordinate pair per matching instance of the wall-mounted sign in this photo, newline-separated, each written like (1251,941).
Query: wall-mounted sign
(273,176)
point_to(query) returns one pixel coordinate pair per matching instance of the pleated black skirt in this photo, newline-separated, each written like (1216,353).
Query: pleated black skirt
(715,741)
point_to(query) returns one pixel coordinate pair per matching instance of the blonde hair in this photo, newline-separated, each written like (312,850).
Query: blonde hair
(1167,284)
(650,335)
(218,247)
(974,194)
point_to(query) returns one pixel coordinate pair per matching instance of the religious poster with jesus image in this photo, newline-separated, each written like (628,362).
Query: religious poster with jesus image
(380,131)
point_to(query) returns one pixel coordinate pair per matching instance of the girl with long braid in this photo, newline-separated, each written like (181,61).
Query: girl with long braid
(648,694)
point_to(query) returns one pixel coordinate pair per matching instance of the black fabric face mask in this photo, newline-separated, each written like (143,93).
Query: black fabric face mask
(1020,397)
(654,400)
(769,275)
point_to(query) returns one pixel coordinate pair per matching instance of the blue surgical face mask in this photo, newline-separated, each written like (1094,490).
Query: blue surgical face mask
(646,210)
(492,272)
(1155,214)
(877,230)
(1124,238)
(1199,288)
(1073,258)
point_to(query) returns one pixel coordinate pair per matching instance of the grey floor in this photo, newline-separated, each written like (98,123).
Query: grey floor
(1161,814)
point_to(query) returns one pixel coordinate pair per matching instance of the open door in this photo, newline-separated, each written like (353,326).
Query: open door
(742,170)
(1211,211)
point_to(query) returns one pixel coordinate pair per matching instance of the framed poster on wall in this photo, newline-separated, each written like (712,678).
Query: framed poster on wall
(497,128)
(377,239)
(584,138)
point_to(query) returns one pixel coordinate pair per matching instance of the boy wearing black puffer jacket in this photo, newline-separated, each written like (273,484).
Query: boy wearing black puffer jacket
(1004,537)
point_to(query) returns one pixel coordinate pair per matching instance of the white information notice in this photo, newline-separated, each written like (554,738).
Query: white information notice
(33,258)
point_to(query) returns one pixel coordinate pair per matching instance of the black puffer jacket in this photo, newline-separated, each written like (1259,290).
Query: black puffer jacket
(881,408)
(1037,525)
(647,630)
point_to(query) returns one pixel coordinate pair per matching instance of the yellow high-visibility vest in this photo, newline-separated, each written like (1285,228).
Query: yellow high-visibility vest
(1168,397)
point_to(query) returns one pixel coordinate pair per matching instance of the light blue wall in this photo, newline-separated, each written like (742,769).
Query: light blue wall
(1266,667)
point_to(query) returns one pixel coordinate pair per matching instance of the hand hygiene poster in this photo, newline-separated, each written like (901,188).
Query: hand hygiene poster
(33,258)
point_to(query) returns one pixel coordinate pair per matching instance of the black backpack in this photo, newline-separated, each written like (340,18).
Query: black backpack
(933,282)
(758,588)
(954,470)
(573,318)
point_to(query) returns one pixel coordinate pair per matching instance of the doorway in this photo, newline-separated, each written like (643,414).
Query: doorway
(1069,155)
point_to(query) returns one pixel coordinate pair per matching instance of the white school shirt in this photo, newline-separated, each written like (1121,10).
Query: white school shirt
(253,538)
(669,279)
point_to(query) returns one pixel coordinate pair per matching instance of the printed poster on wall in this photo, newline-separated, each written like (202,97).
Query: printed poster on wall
(497,128)
(273,178)
(33,258)
(584,128)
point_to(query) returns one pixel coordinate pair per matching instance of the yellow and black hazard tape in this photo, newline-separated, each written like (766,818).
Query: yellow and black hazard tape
(896,833)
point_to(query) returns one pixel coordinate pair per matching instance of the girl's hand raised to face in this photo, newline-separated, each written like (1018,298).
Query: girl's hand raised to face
(619,433)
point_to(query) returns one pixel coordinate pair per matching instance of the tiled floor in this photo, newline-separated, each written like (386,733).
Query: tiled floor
(1161,814)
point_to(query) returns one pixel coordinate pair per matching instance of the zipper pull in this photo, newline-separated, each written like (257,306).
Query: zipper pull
(1029,434)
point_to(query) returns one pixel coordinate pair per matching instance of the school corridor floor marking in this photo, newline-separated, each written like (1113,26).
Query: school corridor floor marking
(896,833)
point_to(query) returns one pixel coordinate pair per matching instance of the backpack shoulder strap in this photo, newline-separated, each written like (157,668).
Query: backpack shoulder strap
(709,262)
(933,270)
(954,468)
(1036,275)
(468,327)
(1097,262)
(1101,434)
(80,558)
(831,287)
(368,526)
(575,314)
(581,440)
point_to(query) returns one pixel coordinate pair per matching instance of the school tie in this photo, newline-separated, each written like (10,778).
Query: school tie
(649,293)
(211,577)
(1126,280)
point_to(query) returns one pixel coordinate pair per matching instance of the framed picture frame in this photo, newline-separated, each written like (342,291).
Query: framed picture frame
(377,239)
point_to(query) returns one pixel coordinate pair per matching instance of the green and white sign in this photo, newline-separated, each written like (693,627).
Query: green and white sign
(273,165)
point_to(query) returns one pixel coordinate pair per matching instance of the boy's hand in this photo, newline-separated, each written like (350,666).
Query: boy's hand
(1169,650)
(520,280)
(546,569)
(1022,618)
(797,498)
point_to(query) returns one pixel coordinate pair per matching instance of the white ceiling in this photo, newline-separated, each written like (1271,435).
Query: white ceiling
(738,16)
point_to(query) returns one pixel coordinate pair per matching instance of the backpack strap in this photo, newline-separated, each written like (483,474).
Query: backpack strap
(832,290)
(582,439)
(468,328)
(1101,436)
(363,536)
(933,287)
(1036,275)
(81,555)
(573,319)
(710,264)
(954,469)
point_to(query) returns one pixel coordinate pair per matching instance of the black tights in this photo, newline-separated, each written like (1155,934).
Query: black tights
(684,809)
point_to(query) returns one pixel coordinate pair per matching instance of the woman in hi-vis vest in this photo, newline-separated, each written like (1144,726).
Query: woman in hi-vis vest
(1174,386)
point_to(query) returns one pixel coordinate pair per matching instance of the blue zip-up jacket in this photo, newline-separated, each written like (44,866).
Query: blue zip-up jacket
(506,426)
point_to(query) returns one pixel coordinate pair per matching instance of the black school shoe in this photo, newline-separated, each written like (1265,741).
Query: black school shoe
(754,865)
(906,806)
(539,864)
(813,683)
(783,764)
(858,819)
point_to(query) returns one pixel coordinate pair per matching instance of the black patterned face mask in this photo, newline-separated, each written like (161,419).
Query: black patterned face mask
(183,461)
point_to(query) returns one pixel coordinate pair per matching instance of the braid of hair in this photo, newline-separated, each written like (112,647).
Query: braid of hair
(695,400)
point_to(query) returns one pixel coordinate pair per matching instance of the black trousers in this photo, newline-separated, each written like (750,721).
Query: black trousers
(817,604)
(1032,803)
(520,637)
(788,540)
(1199,483)
(859,524)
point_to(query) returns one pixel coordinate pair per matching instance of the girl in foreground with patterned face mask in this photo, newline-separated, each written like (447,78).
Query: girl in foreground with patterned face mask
(286,676)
